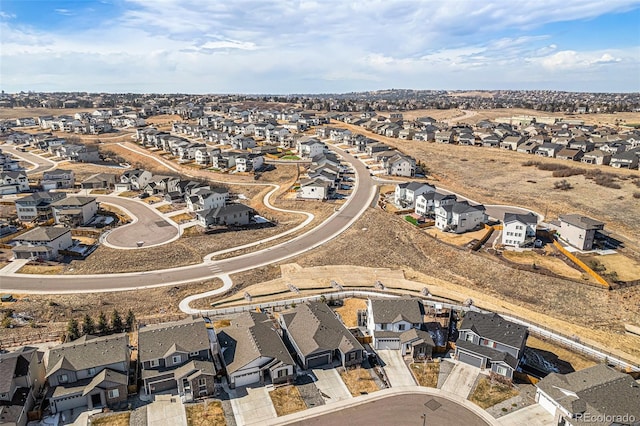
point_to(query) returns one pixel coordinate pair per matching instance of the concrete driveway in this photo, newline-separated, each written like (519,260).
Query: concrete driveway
(461,379)
(330,385)
(166,410)
(251,405)
(397,371)
(533,415)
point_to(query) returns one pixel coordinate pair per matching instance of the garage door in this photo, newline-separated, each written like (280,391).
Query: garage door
(246,379)
(70,403)
(470,359)
(387,343)
(318,360)
(546,403)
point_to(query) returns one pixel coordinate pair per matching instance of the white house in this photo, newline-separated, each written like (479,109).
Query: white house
(310,147)
(399,165)
(205,198)
(134,179)
(13,182)
(387,319)
(42,242)
(406,193)
(314,189)
(519,229)
(74,211)
(427,203)
(459,217)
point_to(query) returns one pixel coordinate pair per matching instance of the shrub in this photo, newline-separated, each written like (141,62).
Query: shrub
(569,171)
(530,163)
(411,220)
(606,180)
(636,195)
(550,167)
(563,185)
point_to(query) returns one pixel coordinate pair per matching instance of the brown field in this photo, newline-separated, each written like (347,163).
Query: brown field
(459,240)
(564,356)
(166,208)
(18,112)
(626,268)
(204,414)
(359,381)
(426,373)
(552,263)
(349,311)
(488,394)
(287,400)
(119,419)
(498,177)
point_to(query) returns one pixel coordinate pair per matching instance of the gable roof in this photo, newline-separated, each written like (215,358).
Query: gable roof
(314,326)
(250,336)
(582,222)
(529,218)
(493,326)
(89,351)
(160,340)
(15,364)
(43,233)
(393,310)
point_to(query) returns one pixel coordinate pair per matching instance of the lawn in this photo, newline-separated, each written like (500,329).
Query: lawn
(120,419)
(182,217)
(290,157)
(129,194)
(204,414)
(488,394)
(426,373)
(166,208)
(349,311)
(41,269)
(287,400)
(359,381)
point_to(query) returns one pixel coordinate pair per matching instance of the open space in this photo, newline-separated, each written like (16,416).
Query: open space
(287,400)
(205,414)
(359,381)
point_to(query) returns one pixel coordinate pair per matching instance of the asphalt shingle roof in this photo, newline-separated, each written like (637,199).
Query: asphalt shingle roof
(157,340)
(393,310)
(89,351)
(43,233)
(493,326)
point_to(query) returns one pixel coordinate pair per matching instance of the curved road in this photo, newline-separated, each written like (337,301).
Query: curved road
(359,201)
(42,164)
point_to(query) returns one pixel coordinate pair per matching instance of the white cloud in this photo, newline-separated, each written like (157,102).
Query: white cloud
(572,60)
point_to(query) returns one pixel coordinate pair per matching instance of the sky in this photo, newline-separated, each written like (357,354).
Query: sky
(325,46)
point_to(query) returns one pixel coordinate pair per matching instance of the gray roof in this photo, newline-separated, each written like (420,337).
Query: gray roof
(250,336)
(393,310)
(599,390)
(15,364)
(74,201)
(160,340)
(224,210)
(89,351)
(582,222)
(315,327)
(194,368)
(106,379)
(529,218)
(43,233)
(493,326)
(465,207)
(492,354)
(414,334)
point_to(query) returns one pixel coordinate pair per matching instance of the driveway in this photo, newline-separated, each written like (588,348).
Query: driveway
(251,405)
(397,371)
(461,379)
(166,410)
(330,385)
(533,415)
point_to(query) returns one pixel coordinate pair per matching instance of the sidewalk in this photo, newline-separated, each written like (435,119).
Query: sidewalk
(13,266)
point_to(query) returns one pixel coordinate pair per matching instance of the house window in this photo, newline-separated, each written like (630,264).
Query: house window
(92,371)
(501,370)
(469,338)
(154,363)
(400,327)
(195,353)
(63,378)
(383,326)
(176,359)
(114,393)
(281,373)
(202,382)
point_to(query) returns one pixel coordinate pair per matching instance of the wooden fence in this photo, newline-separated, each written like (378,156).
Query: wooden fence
(476,246)
(581,264)
(31,338)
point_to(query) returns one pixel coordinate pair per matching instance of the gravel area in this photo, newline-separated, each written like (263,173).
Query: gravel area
(308,391)
(138,417)
(227,408)
(445,369)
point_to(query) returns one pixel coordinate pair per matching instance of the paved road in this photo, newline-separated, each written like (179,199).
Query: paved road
(358,202)
(400,410)
(42,164)
(148,224)
(533,415)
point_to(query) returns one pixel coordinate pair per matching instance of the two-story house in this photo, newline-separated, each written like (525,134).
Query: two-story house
(205,198)
(21,380)
(519,229)
(310,147)
(134,179)
(490,341)
(44,242)
(74,210)
(406,193)
(178,355)
(89,372)
(318,337)
(388,318)
(459,217)
(577,230)
(37,206)
(253,351)
(427,203)
(57,179)
(13,182)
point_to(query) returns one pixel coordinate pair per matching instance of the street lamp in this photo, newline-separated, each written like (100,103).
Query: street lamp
(424,419)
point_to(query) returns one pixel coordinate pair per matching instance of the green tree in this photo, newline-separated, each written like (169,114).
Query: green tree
(130,321)
(103,325)
(73,330)
(88,325)
(116,322)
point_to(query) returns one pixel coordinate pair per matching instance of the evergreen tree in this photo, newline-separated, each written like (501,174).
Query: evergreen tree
(88,326)
(73,331)
(130,321)
(116,322)
(103,325)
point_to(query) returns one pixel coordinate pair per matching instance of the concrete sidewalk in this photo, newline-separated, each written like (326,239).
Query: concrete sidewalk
(13,266)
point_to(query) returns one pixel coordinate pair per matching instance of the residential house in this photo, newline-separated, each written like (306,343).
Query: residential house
(202,155)
(229,215)
(444,136)
(243,143)
(519,229)
(13,182)
(570,154)
(577,230)
(427,203)
(582,144)
(314,189)
(594,395)
(486,340)
(178,355)
(225,160)
(99,181)
(318,337)
(459,217)
(135,179)
(205,198)
(398,324)
(596,157)
(406,193)
(399,165)
(74,211)
(253,351)
(44,242)
(162,185)
(249,162)
(57,179)
(548,149)
(466,138)
(511,142)
(626,160)
(21,381)
(37,206)
(375,147)
(528,147)
(310,147)
(89,372)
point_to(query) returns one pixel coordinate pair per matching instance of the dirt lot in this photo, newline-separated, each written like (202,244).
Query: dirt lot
(7,113)
(287,400)
(488,394)
(359,381)
(499,177)
(426,373)
(627,269)
(550,262)
(565,359)
(459,240)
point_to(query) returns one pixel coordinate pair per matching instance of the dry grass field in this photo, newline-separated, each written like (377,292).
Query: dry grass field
(359,381)
(550,262)
(564,356)
(19,112)
(627,269)
(119,419)
(205,414)
(426,373)
(349,311)
(287,400)
(488,394)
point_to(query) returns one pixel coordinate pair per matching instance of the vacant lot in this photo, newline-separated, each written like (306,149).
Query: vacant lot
(426,373)
(553,263)
(487,394)
(287,400)
(627,269)
(205,414)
